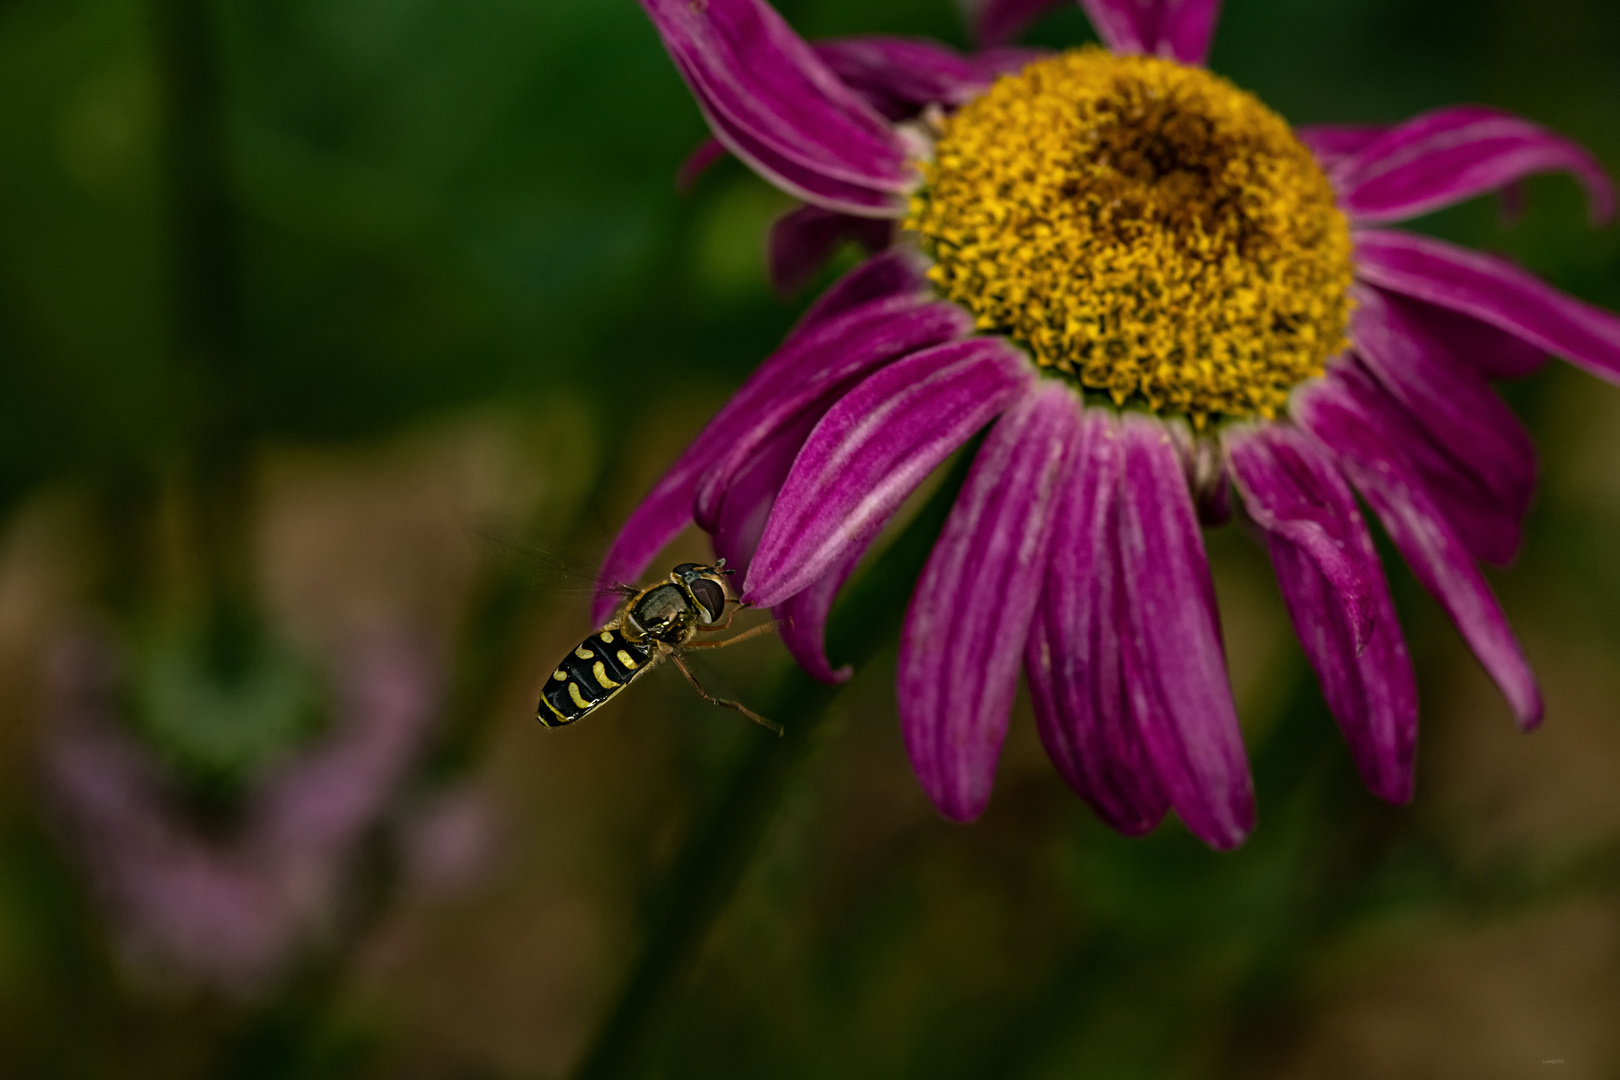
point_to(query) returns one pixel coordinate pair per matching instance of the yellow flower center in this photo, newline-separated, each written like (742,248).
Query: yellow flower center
(1145,227)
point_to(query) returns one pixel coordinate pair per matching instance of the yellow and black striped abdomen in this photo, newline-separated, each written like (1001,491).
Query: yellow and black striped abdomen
(599,668)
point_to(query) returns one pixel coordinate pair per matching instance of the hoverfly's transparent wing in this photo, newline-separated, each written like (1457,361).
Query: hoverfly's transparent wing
(711,683)
(513,552)
(693,661)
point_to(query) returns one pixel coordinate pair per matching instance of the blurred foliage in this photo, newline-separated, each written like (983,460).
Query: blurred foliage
(451,209)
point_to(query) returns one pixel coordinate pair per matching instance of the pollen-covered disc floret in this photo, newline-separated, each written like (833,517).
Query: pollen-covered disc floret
(1144,226)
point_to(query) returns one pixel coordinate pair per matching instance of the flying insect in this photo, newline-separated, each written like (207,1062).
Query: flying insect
(655,624)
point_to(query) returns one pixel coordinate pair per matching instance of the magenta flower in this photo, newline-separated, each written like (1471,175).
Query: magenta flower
(1151,287)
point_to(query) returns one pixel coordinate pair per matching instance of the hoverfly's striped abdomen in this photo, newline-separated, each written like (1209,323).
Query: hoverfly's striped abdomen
(597,669)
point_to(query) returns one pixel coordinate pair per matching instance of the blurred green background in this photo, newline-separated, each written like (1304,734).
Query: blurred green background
(294,294)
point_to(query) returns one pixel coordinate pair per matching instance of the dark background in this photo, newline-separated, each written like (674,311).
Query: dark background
(290,306)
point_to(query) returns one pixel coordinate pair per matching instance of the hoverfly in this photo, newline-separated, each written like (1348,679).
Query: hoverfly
(655,624)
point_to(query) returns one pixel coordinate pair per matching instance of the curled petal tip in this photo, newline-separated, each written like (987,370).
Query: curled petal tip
(1395,790)
(1451,154)
(1227,835)
(1531,711)
(958,811)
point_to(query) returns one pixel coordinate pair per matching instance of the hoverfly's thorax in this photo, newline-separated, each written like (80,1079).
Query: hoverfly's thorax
(663,613)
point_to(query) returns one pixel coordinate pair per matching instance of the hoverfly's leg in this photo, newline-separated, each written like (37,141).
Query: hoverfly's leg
(724,703)
(715,628)
(751,632)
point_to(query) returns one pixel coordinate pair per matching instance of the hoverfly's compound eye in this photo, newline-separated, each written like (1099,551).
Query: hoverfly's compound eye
(687,567)
(711,596)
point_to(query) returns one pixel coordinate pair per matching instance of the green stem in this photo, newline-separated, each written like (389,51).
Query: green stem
(724,842)
(206,272)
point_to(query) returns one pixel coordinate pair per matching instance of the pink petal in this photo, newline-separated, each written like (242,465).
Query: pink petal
(802,240)
(819,364)
(890,273)
(1287,494)
(1175,664)
(1178,29)
(965,629)
(872,449)
(1362,442)
(997,22)
(804,616)
(1186,28)
(1336,144)
(1492,291)
(1494,353)
(774,104)
(900,76)
(1125,26)
(1482,453)
(1363,667)
(1449,155)
(698,162)
(1076,672)
(1490,527)
(872,292)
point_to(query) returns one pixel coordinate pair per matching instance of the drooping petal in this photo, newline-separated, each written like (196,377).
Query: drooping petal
(894,272)
(1478,441)
(698,162)
(748,502)
(1452,154)
(1363,667)
(1489,526)
(877,290)
(1007,60)
(799,180)
(1336,144)
(1076,673)
(802,240)
(1125,26)
(774,104)
(967,624)
(900,76)
(872,449)
(804,615)
(657,519)
(1283,488)
(1493,291)
(835,355)
(997,22)
(747,507)
(1492,352)
(1455,404)
(1186,28)
(1362,441)
(1174,661)
(1178,29)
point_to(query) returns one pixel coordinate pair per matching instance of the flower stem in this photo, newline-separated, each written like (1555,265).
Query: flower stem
(206,279)
(724,841)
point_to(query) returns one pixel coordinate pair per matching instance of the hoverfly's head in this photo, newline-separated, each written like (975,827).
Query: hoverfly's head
(710,586)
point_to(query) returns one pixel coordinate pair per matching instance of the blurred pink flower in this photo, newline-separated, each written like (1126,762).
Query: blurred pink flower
(229,909)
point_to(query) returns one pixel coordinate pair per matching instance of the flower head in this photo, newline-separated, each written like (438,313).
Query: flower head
(1143,226)
(1148,289)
